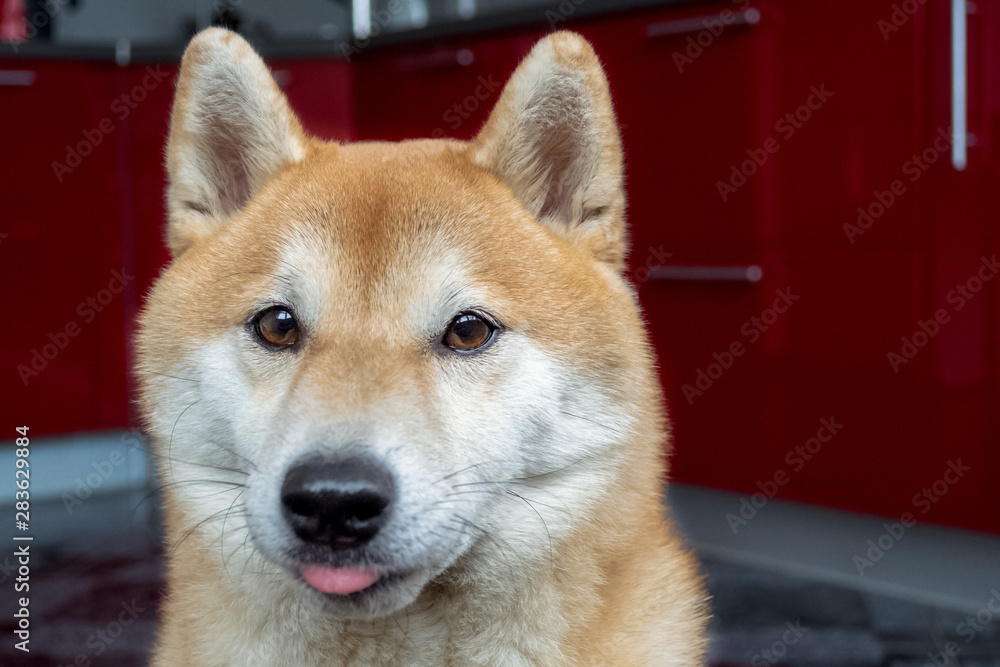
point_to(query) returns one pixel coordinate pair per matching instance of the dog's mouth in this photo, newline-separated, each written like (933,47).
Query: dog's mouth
(347,575)
(357,591)
(339,580)
(348,581)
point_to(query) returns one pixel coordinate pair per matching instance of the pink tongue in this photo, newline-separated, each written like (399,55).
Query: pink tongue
(340,580)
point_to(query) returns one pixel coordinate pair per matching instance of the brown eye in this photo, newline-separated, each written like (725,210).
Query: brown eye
(468,332)
(277,327)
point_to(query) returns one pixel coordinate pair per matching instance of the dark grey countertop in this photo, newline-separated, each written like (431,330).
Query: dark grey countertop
(544,17)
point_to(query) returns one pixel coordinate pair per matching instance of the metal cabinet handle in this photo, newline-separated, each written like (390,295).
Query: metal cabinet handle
(435,61)
(728,274)
(750,16)
(959,90)
(17,77)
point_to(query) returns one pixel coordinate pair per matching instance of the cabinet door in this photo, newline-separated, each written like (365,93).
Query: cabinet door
(686,123)
(443,89)
(772,144)
(850,225)
(963,359)
(321,94)
(877,207)
(688,88)
(143,172)
(64,360)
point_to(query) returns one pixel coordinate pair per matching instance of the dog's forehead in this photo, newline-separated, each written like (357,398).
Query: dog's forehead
(380,202)
(414,223)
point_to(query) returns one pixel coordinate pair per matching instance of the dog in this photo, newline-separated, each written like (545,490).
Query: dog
(402,399)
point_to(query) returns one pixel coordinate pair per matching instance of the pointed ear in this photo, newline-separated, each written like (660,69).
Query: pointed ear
(231,130)
(553,139)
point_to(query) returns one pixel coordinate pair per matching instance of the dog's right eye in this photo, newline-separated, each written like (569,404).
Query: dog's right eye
(277,327)
(469,332)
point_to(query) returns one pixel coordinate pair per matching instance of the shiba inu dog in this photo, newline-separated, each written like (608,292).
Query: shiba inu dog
(402,397)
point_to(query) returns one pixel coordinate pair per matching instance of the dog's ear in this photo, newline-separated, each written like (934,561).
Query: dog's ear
(553,140)
(230,130)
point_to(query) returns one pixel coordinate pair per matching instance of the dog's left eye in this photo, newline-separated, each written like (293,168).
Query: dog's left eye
(468,332)
(277,327)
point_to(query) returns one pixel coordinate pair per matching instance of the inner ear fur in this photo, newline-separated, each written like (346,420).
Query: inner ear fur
(231,129)
(553,140)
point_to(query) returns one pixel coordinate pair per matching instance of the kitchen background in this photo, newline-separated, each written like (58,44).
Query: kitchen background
(813,205)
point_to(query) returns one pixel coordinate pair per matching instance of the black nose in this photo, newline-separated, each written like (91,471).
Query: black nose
(340,504)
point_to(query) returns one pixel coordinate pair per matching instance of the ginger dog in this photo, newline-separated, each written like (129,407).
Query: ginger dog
(403,400)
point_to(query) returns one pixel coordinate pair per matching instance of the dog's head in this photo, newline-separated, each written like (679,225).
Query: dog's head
(372,365)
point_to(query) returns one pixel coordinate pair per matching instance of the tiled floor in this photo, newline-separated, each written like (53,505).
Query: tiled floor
(94,599)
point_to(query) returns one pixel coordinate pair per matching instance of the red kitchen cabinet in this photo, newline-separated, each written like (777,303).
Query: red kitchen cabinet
(840,201)
(689,114)
(64,362)
(144,177)
(441,89)
(869,202)
(322,94)
(963,357)
(684,123)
